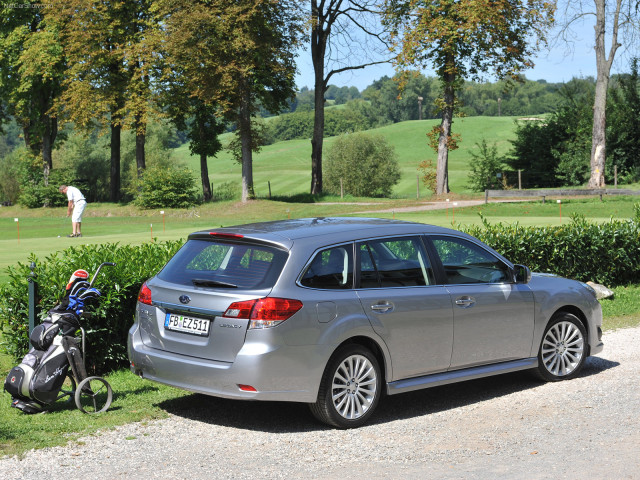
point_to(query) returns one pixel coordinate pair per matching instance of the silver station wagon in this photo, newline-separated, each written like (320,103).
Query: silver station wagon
(336,312)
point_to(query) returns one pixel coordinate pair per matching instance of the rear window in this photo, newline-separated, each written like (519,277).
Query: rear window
(216,264)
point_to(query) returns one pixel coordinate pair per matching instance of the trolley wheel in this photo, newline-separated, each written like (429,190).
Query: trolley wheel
(93,395)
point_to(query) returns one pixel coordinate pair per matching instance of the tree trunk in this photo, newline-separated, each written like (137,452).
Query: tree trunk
(318,47)
(442,167)
(204,167)
(603,64)
(48,134)
(317,139)
(115,162)
(47,161)
(204,174)
(598,140)
(141,129)
(245,145)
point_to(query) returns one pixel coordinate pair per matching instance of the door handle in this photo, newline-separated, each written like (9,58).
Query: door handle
(465,302)
(382,307)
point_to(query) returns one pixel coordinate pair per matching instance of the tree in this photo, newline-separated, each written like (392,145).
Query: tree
(620,18)
(335,26)
(552,152)
(465,38)
(190,114)
(235,55)
(484,167)
(623,133)
(108,70)
(31,69)
(203,136)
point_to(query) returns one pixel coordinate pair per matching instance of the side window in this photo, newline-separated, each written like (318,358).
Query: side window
(397,262)
(466,262)
(330,269)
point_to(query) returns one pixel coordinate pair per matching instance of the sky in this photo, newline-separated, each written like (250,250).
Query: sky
(554,65)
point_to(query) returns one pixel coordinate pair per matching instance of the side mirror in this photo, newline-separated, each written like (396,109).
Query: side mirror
(522,274)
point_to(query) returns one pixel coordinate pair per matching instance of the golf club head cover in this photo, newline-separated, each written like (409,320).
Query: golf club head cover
(77,276)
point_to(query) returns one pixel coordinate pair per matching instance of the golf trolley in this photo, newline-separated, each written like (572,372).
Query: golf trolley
(44,376)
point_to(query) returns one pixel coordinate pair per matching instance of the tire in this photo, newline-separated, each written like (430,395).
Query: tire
(93,395)
(350,389)
(563,349)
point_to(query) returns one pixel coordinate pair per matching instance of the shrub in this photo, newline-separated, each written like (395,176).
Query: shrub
(111,316)
(366,164)
(484,168)
(226,191)
(607,253)
(166,186)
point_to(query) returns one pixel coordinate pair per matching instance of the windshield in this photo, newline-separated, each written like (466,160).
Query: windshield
(226,265)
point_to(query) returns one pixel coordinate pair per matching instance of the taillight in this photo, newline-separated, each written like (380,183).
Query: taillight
(264,312)
(240,309)
(145,294)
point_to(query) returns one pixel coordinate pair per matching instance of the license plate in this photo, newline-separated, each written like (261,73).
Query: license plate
(191,325)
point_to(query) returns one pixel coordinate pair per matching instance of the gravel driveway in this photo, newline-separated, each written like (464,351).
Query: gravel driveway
(504,427)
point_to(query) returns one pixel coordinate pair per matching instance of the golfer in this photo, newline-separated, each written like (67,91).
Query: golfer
(77,202)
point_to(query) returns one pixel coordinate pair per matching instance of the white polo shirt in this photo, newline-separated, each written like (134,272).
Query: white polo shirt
(74,194)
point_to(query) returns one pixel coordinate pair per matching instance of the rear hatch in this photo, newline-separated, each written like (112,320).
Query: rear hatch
(198,285)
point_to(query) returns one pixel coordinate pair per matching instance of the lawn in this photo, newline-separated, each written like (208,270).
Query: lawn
(409,139)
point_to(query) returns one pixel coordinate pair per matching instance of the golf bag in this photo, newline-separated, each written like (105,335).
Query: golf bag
(38,379)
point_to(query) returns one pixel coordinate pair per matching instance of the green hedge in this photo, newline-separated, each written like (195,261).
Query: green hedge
(606,253)
(110,317)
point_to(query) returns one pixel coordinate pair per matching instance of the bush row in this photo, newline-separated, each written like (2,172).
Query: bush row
(607,253)
(110,316)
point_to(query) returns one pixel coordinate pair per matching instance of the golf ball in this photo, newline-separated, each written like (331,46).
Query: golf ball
(58,236)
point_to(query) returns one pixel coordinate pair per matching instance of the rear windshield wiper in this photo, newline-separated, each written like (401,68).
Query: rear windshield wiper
(203,282)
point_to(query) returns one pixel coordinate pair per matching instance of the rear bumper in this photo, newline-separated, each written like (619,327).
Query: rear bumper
(278,373)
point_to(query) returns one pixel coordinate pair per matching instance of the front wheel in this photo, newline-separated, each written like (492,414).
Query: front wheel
(93,395)
(563,348)
(350,388)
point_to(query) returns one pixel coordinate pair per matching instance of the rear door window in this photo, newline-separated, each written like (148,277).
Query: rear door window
(218,264)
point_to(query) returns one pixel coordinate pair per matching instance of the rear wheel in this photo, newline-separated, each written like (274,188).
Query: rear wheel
(93,395)
(563,348)
(350,388)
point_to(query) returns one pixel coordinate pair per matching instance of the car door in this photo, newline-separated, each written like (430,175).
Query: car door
(493,317)
(414,317)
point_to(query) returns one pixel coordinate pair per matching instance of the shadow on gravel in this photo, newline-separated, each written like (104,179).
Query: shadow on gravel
(284,417)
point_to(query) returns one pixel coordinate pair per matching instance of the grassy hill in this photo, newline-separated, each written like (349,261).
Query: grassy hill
(287,165)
